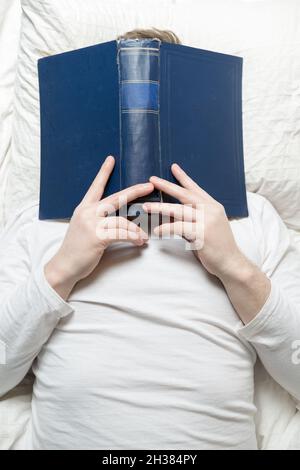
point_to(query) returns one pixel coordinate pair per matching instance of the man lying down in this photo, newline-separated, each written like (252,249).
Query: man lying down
(144,344)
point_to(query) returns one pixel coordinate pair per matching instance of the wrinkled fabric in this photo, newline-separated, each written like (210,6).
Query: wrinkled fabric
(148,352)
(10,14)
(264,32)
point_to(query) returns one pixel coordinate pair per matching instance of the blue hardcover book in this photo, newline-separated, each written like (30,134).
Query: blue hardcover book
(149,104)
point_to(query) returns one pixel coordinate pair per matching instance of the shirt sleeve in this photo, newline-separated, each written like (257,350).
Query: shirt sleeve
(275,331)
(29,307)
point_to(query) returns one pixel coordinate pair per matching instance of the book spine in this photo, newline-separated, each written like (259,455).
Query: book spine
(138,63)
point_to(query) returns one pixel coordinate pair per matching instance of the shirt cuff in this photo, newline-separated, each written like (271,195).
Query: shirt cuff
(264,316)
(55,302)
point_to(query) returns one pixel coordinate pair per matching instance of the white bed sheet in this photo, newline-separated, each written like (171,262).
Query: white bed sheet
(10,21)
(278,420)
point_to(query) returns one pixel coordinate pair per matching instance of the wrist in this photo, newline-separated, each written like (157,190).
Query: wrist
(238,269)
(247,288)
(59,277)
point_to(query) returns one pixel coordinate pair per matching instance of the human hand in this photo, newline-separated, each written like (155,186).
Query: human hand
(90,232)
(201,220)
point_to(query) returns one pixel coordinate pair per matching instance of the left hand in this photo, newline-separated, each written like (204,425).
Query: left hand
(200,219)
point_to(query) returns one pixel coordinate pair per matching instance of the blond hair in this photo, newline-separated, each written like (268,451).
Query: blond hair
(164,35)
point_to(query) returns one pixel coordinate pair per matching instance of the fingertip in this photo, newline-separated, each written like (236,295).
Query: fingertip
(110,158)
(147,187)
(153,178)
(139,241)
(144,236)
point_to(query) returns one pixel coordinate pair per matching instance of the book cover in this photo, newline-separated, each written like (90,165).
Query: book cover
(150,104)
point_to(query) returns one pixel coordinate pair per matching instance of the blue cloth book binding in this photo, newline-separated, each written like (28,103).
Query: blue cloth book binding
(148,104)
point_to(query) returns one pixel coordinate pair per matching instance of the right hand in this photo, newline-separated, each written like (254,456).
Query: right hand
(90,232)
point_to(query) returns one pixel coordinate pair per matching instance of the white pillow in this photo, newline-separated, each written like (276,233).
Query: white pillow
(10,22)
(265,32)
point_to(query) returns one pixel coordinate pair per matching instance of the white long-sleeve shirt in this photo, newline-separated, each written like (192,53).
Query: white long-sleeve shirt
(148,352)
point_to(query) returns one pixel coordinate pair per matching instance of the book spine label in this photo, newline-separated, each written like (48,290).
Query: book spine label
(138,63)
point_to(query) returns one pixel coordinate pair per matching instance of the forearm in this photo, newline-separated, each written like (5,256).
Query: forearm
(247,287)
(271,319)
(275,334)
(58,277)
(28,315)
